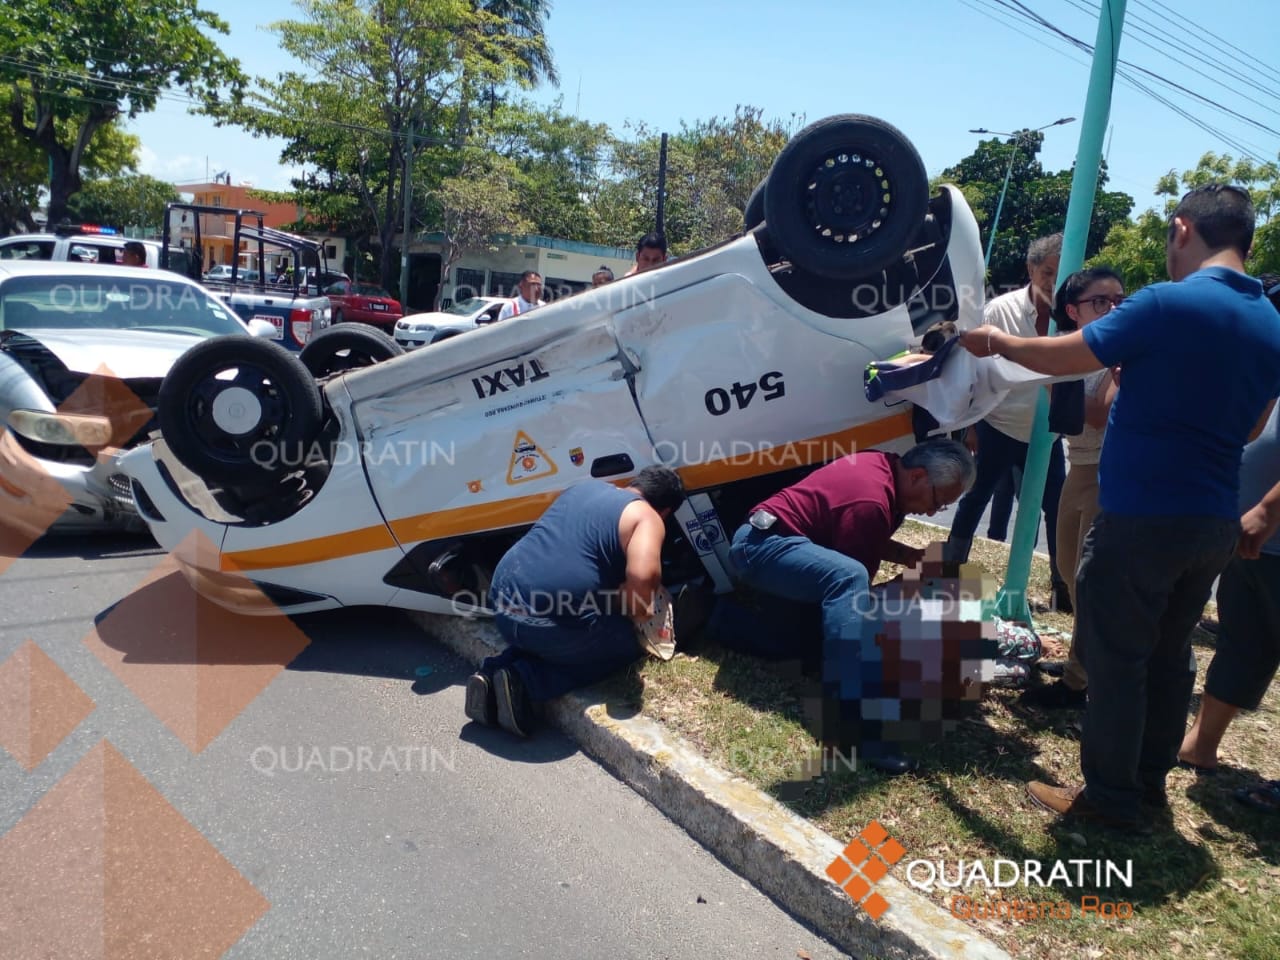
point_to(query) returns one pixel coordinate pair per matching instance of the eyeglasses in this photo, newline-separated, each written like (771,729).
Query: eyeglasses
(1101,303)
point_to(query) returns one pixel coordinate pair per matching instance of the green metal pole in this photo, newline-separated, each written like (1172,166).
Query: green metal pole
(1012,602)
(995,221)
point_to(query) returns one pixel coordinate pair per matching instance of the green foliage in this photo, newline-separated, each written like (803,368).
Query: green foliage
(1035,203)
(135,201)
(74,68)
(378,73)
(481,201)
(1137,249)
(712,168)
(556,160)
(24,168)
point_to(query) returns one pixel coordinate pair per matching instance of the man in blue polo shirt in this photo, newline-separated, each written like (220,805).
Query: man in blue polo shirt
(1199,368)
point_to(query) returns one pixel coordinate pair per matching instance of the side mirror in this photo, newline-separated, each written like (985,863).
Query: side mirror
(264,329)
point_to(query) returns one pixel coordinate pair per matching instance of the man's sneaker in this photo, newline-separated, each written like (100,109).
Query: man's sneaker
(1061,599)
(515,709)
(1072,802)
(1055,696)
(481,706)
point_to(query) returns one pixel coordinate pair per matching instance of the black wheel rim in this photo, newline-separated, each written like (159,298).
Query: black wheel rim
(227,433)
(848,197)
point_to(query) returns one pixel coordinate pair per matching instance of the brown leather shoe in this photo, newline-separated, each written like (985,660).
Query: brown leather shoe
(1072,802)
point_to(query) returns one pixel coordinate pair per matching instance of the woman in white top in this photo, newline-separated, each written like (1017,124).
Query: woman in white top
(1085,296)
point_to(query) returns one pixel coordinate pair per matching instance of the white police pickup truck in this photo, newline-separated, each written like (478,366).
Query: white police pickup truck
(295,308)
(87,243)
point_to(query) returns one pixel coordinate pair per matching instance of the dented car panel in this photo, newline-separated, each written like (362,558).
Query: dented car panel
(436,459)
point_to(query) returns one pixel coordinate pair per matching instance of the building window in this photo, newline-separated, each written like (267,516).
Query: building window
(503,284)
(331,251)
(467,283)
(554,288)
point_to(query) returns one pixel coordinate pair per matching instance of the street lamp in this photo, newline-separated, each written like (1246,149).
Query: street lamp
(1013,154)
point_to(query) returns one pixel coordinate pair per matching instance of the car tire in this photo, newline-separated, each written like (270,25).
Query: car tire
(349,347)
(753,214)
(845,196)
(254,434)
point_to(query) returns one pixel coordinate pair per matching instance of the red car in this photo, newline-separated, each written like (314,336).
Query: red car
(365,303)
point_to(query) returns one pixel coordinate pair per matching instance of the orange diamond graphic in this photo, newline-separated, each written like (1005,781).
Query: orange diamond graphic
(839,871)
(30,500)
(103,866)
(875,905)
(193,663)
(39,705)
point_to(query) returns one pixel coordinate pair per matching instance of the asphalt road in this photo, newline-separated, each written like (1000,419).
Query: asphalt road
(463,844)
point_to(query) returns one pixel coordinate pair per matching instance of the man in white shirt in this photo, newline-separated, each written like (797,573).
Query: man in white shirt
(528,297)
(1002,438)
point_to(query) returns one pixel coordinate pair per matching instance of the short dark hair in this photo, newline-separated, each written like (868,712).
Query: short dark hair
(530,273)
(1222,214)
(603,269)
(653,240)
(1073,286)
(661,487)
(134,247)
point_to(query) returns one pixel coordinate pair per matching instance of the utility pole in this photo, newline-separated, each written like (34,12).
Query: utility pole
(404,237)
(661,226)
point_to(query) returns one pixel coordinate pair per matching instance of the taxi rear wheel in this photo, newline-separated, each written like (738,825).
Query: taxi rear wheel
(845,197)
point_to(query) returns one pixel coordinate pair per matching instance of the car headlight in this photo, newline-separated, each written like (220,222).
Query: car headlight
(66,429)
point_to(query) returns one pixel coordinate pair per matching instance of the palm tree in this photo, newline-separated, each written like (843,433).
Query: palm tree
(526,22)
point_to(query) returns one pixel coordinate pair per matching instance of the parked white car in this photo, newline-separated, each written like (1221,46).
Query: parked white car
(356,474)
(83,351)
(87,245)
(420,329)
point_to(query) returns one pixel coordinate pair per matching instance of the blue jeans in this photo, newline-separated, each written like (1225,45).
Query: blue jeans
(553,656)
(998,453)
(799,573)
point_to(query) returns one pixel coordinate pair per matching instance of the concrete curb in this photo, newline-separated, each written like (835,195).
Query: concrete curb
(782,854)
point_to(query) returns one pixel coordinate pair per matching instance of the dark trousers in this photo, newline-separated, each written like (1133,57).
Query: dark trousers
(998,454)
(1141,587)
(1248,650)
(553,658)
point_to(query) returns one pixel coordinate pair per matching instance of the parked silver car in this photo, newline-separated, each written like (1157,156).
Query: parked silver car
(83,350)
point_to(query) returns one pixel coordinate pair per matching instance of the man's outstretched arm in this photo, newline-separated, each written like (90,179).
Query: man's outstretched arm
(1052,356)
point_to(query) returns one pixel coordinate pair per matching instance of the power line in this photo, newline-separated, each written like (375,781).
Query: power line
(1036,20)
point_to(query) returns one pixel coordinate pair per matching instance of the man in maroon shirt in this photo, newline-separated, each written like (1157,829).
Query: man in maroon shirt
(821,541)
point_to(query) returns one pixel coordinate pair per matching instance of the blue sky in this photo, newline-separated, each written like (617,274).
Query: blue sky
(933,68)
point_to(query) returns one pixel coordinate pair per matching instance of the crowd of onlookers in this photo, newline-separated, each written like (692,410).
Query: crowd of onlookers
(1168,481)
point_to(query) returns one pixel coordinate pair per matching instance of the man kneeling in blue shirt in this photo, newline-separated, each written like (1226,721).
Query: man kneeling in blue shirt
(569,595)
(1168,484)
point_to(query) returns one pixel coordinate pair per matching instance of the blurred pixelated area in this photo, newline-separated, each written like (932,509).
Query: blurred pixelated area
(928,647)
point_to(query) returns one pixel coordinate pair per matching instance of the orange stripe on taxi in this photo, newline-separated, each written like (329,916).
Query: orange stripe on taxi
(526,510)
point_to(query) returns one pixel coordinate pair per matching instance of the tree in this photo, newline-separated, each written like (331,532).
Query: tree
(74,68)
(1035,203)
(712,168)
(1137,250)
(385,76)
(477,205)
(24,170)
(557,165)
(135,201)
